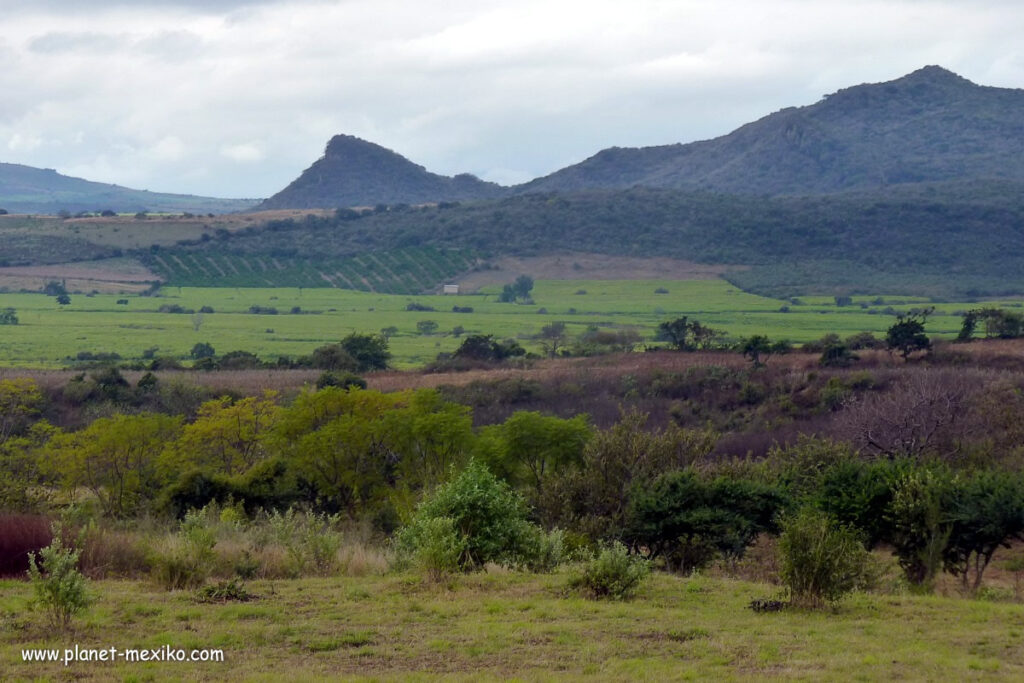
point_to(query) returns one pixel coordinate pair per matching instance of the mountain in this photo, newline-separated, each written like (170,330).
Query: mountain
(24,189)
(929,126)
(354,172)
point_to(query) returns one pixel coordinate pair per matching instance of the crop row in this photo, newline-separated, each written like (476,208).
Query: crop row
(401,271)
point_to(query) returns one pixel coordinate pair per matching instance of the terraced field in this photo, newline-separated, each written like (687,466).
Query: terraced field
(402,271)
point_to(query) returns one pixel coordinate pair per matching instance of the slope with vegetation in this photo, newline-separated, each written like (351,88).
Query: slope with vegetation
(928,126)
(943,240)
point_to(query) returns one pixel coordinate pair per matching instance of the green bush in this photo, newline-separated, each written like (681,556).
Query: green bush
(919,526)
(488,515)
(546,551)
(434,545)
(613,573)
(986,513)
(310,540)
(687,521)
(821,560)
(186,559)
(60,589)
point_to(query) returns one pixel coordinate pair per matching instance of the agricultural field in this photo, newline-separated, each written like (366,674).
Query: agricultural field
(498,625)
(401,271)
(48,333)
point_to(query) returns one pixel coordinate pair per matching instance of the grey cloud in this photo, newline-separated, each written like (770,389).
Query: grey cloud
(78,42)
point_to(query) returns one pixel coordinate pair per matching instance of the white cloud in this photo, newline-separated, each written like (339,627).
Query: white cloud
(247,152)
(236,97)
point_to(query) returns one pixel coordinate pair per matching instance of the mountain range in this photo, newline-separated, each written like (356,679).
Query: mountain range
(928,126)
(25,189)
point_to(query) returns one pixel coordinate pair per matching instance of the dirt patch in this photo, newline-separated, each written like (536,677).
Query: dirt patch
(582,266)
(112,276)
(110,270)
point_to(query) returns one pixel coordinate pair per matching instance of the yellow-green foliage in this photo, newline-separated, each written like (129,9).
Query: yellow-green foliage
(227,436)
(115,458)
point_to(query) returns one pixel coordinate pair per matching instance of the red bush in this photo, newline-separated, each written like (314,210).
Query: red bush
(20,535)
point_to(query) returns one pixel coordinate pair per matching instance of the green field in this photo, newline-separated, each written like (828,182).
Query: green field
(502,625)
(47,333)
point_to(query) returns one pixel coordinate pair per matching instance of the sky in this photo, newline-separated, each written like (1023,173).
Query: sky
(235,98)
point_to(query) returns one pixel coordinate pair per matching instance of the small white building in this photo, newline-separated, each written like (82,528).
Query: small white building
(450,289)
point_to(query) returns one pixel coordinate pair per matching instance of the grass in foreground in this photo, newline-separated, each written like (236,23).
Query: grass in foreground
(499,625)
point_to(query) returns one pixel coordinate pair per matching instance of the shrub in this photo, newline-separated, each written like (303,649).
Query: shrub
(20,535)
(546,551)
(187,558)
(310,540)
(231,590)
(434,545)
(986,513)
(687,521)
(613,573)
(919,532)
(488,515)
(822,561)
(345,380)
(60,589)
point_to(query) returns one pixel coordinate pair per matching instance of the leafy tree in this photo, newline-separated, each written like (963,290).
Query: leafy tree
(529,448)
(426,327)
(676,332)
(837,354)
(63,299)
(227,436)
(115,458)
(687,521)
(483,347)
(333,357)
(918,521)
(202,350)
(21,402)
(986,513)
(593,497)
(508,294)
(53,288)
(907,335)
(345,380)
(369,350)
(552,337)
(428,437)
(239,360)
(523,286)
(756,346)
(388,332)
(8,317)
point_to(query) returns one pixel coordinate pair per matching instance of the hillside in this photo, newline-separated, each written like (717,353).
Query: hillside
(928,126)
(24,189)
(354,172)
(936,240)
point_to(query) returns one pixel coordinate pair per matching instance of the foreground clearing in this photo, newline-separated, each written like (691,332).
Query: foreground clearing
(500,625)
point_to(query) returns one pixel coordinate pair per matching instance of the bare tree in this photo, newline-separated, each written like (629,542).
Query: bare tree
(925,414)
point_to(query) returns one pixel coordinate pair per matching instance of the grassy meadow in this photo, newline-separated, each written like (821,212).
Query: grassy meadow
(48,333)
(498,625)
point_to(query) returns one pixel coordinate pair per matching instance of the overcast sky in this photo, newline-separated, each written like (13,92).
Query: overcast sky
(236,98)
